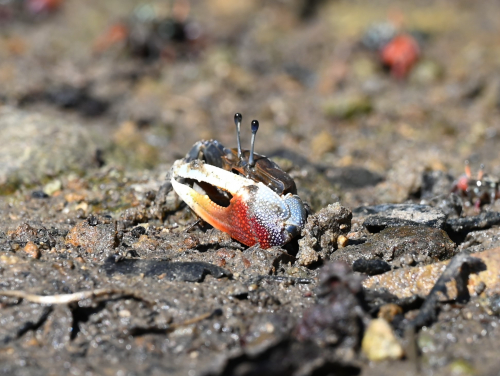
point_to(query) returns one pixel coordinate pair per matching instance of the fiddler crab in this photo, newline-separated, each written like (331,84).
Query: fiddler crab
(481,190)
(240,192)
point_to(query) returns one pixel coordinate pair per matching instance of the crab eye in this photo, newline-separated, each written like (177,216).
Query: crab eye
(255,126)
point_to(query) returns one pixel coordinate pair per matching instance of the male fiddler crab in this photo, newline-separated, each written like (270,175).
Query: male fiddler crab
(240,192)
(479,190)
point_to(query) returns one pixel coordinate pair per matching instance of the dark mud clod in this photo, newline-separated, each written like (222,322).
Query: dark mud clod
(370,267)
(39,194)
(138,231)
(337,318)
(458,228)
(395,215)
(92,220)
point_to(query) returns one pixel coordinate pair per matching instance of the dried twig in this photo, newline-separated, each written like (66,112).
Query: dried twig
(70,298)
(194,320)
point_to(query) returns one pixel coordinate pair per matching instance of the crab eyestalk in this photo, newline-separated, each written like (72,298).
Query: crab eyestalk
(480,173)
(237,121)
(255,128)
(468,172)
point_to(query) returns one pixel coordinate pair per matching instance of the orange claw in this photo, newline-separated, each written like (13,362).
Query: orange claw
(255,213)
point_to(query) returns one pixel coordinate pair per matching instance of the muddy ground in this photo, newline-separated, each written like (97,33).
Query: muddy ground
(99,98)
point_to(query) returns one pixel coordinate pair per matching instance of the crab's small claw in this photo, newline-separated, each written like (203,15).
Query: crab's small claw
(255,213)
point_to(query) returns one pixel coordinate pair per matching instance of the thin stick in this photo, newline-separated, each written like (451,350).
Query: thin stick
(68,298)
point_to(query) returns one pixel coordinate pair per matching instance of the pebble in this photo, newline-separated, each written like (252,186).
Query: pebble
(32,249)
(380,343)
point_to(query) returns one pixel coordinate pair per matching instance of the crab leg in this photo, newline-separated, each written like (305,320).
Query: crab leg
(255,213)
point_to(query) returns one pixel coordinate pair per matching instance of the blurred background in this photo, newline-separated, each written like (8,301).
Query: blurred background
(368,93)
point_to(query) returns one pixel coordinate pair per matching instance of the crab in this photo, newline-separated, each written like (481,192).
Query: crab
(240,192)
(481,190)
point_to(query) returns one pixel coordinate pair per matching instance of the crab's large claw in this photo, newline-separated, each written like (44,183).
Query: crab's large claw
(255,213)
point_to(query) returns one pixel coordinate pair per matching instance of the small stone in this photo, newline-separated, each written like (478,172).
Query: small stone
(74,197)
(380,343)
(138,231)
(145,244)
(32,250)
(419,280)
(461,367)
(52,187)
(342,241)
(93,238)
(39,194)
(389,311)
(93,220)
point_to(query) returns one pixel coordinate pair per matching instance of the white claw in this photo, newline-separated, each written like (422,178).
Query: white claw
(215,176)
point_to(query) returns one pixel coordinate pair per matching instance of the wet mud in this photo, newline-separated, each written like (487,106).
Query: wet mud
(371,108)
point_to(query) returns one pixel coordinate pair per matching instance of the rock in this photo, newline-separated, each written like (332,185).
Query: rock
(320,234)
(379,217)
(423,244)
(406,282)
(461,367)
(23,233)
(478,241)
(37,146)
(462,226)
(32,249)
(380,343)
(94,239)
(51,187)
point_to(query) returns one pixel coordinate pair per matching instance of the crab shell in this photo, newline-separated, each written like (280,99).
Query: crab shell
(256,214)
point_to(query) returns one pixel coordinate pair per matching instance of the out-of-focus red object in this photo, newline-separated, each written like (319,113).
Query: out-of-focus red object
(400,54)
(43,6)
(115,34)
